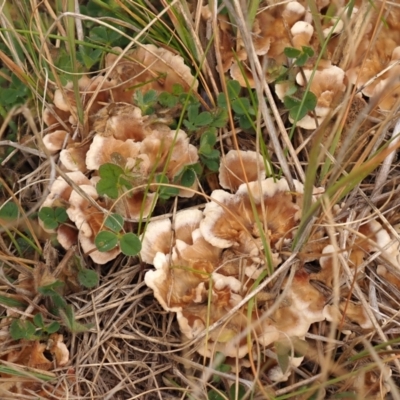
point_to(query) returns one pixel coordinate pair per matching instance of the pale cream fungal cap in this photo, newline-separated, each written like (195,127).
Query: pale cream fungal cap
(293,12)
(55,141)
(76,211)
(73,158)
(156,238)
(67,236)
(222,282)
(237,74)
(212,212)
(186,222)
(106,149)
(337,27)
(281,88)
(231,173)
(58,348)
(59,101)
(302,33)
(156,279)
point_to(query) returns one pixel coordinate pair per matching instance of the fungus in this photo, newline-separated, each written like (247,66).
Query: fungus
(270,37)
(60,192)
(303,306)
(156,239)
(356,313)
(122,121)
(73,157)
(231,173)
(328,86)
(384,53)
(57,347)
(109,150)
(158,67)
(302,33)
(55,141)
(230,220)
(240,72)
(270,32)
(171,151)
(201,264)
(88,222)
(387,91)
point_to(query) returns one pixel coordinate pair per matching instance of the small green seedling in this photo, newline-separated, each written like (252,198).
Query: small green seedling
(86,277)
(107,37)
(113,181)
(10,302)
(146,102)
(234,392)
(15,93)
(9,212)
(285,349)
(188,175)
(165,192)
(208,155)
(32,331)
(107,240)
(89,57)
(52,291)
(221,367)
(197,121)
(299,107)
(52,217)
(67,315)
(61,308)
(300,56)
(244,111)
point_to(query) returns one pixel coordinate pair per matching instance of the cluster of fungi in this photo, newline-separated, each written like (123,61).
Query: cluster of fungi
(208,259)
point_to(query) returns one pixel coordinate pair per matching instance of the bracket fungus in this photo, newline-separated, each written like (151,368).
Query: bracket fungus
(328,85)
(151,67)
(205,264)
(239,166)
(84,221)
(116,132)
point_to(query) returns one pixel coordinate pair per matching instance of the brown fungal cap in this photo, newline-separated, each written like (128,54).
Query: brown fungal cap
(231,173)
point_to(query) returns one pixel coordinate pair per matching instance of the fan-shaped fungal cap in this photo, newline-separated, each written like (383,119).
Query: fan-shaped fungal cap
(73,157)
(230,221)
(123,121)
(159,67)
(78,210)
(55,141)
(156,239)
(304,306)
(60,192)
(109,150)
(231,173)
(293,12)
(302,33)
(170,151)
(328,86)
